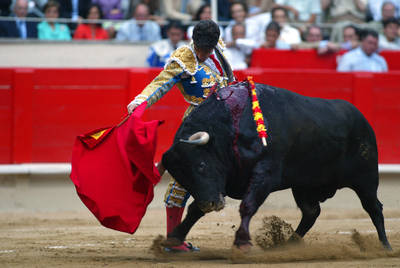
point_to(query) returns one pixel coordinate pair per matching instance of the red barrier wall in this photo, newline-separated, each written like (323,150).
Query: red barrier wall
(43,110)
(309,59)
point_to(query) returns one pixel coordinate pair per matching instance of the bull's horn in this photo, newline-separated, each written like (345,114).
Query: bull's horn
(198,138)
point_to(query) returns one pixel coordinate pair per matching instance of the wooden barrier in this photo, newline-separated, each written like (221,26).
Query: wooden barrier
(43,110)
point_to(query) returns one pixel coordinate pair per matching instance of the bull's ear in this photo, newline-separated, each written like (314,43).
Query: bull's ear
(198,138)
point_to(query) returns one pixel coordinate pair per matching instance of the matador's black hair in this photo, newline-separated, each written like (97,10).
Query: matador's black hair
(206,34)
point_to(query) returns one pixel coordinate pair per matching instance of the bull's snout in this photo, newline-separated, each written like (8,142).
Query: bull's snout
(208,206)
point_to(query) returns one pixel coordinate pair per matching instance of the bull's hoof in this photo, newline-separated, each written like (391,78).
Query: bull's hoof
(387,246)
(171,242)
(244,248)
(295,239)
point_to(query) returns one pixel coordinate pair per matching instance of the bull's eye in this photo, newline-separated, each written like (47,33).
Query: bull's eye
(202,167)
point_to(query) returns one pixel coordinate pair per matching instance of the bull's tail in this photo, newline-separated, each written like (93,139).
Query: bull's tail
(363,151)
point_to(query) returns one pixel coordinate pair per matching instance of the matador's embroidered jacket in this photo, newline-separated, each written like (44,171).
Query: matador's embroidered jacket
(194,79)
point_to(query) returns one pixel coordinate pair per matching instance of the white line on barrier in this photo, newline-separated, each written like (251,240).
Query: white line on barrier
(30,169)
(65,168)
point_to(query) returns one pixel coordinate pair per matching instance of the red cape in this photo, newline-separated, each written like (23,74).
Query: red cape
(113,171)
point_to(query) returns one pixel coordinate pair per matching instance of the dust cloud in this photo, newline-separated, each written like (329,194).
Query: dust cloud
(273,247)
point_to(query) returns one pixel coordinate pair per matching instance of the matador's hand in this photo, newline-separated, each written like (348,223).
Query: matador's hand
(132,106)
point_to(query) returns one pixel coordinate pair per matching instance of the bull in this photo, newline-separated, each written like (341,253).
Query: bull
(315,147)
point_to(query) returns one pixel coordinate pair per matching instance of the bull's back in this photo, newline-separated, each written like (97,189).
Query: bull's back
(318,139)
(294,116)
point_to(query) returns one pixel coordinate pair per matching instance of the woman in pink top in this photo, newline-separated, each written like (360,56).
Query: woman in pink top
(92,31)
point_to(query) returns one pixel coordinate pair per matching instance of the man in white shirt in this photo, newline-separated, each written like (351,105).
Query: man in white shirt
(139,28)
(238,51)
(272,33)
(289,34)
(364,58)
(390,39)
(239,14)
(376,8)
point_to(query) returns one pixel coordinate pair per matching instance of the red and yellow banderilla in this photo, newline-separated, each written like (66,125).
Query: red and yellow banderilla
(257,113)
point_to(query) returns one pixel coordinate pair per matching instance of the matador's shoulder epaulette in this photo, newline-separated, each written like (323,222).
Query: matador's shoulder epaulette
(221,45)
(186,58)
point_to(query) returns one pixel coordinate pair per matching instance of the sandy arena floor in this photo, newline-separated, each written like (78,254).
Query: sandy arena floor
(43,224)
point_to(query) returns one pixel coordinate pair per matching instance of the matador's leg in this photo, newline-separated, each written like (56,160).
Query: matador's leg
(175,200)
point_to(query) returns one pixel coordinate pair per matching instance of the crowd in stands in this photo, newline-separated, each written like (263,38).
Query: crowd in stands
(361,27)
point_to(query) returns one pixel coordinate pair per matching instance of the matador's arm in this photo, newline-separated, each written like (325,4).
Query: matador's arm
(160,85)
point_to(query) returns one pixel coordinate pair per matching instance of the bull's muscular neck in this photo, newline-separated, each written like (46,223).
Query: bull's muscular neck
(236,97)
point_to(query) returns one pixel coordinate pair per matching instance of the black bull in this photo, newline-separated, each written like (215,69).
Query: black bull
(315,146)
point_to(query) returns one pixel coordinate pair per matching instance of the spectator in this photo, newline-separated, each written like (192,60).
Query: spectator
(111,9)
(258,24)
(180,9)
(204,13)
(314,40)
(379,11)
(344,10)
(74,9)
(139,28)
(390,39)
(154,6)
(91,30)
(302,11)
(289,35)
(350,33)
(154,9)
(314,34)
(50,30)
(254,26)
(364,57)
(272,33)
(351,37)
(161,50)
(238,13)
(18,27)
(388,11)
(238,52)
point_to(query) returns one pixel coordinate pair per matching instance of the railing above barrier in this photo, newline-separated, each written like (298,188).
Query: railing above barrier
(43,110)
